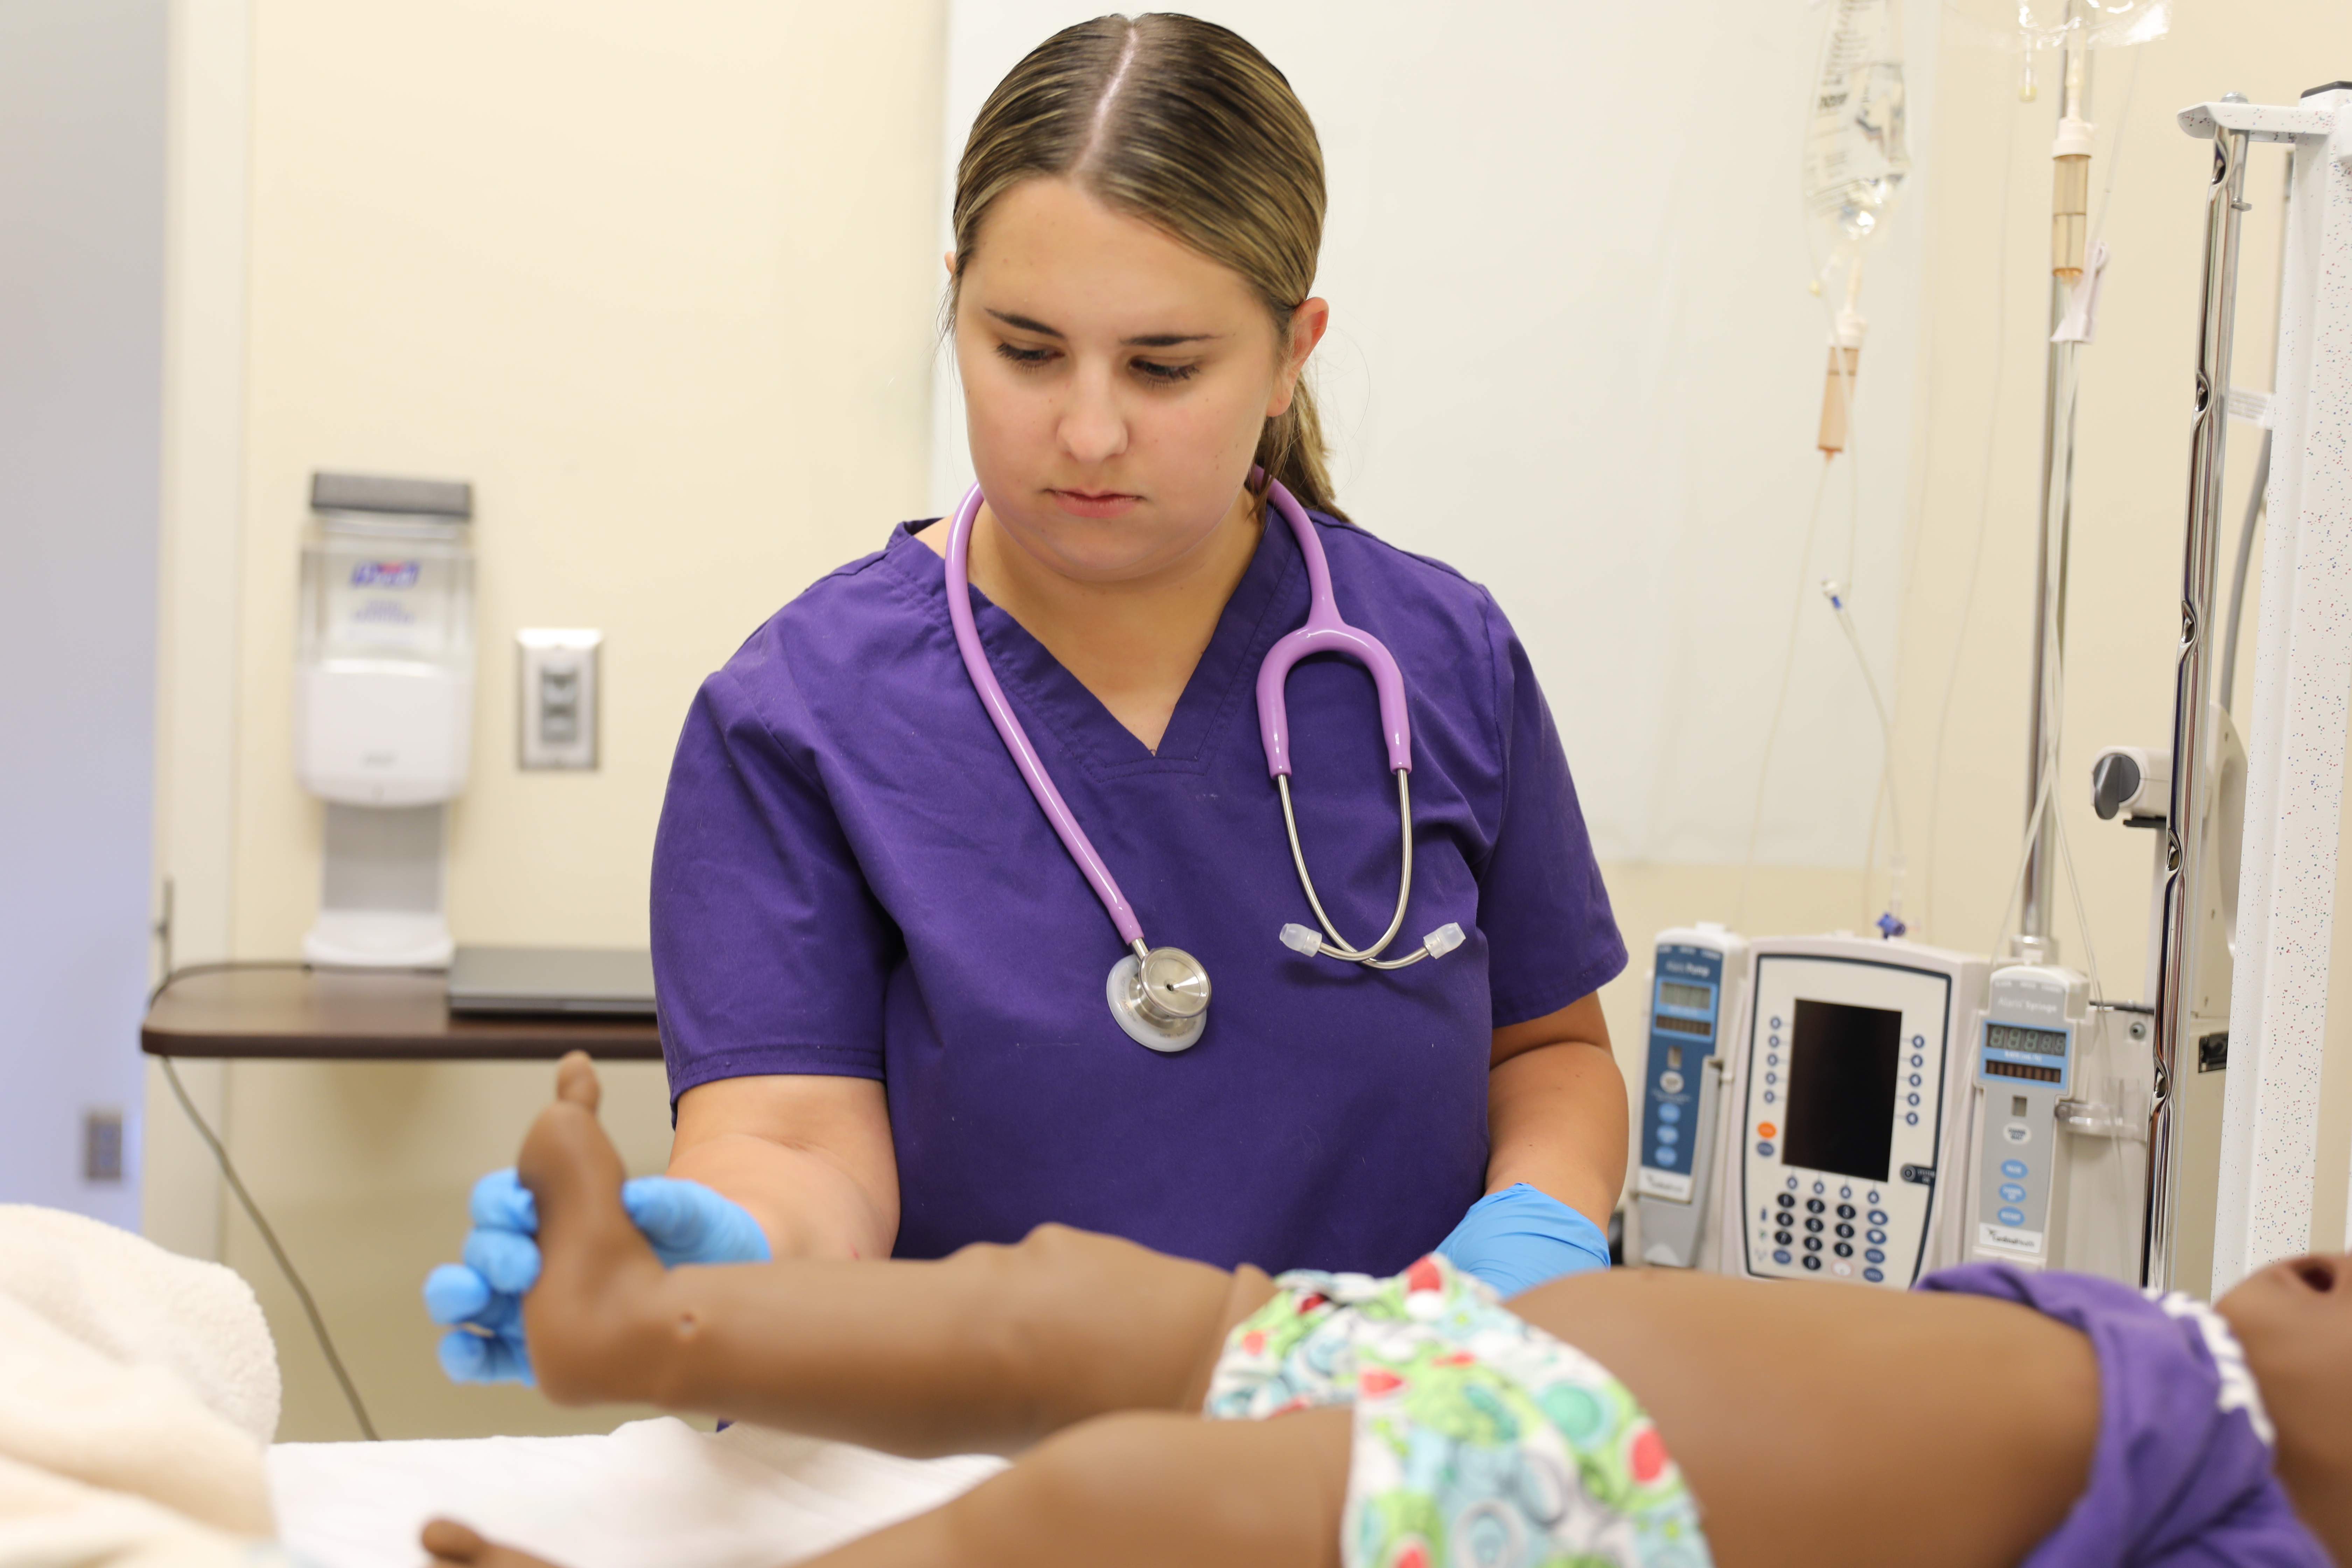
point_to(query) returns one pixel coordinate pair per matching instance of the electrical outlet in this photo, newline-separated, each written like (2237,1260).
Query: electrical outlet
(556,670)
(102,1146)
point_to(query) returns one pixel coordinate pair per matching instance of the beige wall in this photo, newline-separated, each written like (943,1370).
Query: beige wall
(659,280)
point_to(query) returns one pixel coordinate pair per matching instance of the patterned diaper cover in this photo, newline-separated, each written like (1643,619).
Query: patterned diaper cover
(1480,1440)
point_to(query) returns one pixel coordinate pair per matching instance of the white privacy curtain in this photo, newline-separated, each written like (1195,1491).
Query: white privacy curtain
(1573,355)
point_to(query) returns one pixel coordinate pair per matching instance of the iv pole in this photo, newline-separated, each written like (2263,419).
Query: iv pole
(2071,181)
(2186,826)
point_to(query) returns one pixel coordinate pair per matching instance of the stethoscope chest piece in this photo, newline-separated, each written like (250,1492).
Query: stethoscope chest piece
(1161,999)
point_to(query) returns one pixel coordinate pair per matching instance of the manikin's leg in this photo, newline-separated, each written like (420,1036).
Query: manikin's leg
(990,1351)
(1099,1348)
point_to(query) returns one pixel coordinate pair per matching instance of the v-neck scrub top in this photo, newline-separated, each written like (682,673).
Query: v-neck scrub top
(851,879)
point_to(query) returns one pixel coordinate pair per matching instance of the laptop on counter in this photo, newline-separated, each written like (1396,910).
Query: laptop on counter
(602,981)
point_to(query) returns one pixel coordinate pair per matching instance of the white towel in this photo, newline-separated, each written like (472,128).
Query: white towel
(653,1494)
(132,1381)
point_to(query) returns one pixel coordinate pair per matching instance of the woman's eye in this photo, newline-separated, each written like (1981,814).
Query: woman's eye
(1150,370)
(1020,356)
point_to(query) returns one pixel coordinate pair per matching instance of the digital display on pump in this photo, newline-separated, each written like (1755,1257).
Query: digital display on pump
(1693,998)
(1682,1026)
(2017,1037)
(1842,1071)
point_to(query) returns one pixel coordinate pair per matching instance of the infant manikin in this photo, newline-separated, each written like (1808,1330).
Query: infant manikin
(1163,1411)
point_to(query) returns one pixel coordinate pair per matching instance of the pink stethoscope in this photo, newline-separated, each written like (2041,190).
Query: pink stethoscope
(1160,995)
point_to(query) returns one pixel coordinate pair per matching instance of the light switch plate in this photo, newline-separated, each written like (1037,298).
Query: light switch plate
(557,681)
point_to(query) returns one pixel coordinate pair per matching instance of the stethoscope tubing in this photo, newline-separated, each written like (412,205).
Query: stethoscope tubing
(1016,740)
(1323,632)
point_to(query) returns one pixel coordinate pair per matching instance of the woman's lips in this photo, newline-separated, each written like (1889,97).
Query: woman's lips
(1093,503)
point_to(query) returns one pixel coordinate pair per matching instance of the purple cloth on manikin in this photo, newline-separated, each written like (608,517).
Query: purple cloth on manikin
(2182,1473)
(851,879)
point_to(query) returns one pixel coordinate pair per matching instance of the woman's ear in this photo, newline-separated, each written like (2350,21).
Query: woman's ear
(1308,322)
(948,258)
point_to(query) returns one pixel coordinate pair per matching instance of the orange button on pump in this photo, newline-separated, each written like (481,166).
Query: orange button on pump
(1765,1130)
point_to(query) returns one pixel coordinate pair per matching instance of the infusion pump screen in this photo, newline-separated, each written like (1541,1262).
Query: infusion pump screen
(2016,1037)
(1842,1064)
(1697,998)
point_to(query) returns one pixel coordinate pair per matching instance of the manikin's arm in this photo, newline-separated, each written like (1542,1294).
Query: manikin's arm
(1555,1109)
(811,1158)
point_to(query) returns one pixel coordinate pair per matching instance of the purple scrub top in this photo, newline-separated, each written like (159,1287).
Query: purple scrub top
(851,879)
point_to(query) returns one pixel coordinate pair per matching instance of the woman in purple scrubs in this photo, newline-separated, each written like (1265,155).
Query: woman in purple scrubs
(882,977)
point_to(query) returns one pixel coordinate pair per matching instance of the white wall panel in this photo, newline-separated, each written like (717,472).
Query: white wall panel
(1573,353)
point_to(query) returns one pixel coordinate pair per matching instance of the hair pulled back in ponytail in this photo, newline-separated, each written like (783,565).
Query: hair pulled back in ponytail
(1183,125)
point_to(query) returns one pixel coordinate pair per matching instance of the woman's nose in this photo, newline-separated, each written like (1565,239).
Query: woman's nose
(1094,429)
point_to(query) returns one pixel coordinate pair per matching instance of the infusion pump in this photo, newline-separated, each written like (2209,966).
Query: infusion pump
(1696,984)
(1849,1089)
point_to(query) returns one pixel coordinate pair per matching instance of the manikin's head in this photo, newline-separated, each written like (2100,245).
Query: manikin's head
(1137,217)
(2294,1322)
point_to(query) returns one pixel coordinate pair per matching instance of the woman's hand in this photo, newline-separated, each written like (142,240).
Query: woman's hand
(1517,1238)
(1557,1125)
(481,1298)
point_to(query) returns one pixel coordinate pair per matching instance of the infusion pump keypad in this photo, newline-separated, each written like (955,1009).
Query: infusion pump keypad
(1839,1231)
(1844,1107)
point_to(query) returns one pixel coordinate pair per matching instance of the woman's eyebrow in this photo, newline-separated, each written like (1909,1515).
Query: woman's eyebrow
(1146,340)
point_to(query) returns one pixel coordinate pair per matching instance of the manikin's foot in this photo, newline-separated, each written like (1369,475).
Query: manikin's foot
(585,1318)
(453,1545)
(596,1278)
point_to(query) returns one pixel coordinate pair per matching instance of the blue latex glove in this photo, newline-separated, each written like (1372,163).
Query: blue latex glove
(684,1221)
(1517,1238)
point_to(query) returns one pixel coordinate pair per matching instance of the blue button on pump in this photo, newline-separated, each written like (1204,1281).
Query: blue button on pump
(1876,1238)
(1665,1156)
(1878,1216)
(1876,1277)
(1780,1256)
(2013,1216)
(1872,1255)
(2013,1169)
(1670,1113)
(1911,1119)
(2012,1192)
(1670,1135)
(1765,1149)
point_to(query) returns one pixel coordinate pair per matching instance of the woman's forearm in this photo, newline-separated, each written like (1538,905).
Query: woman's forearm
(808,1205)
(1555,1120)
(810,1157)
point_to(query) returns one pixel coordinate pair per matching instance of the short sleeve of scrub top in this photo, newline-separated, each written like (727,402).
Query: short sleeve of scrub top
(850,878)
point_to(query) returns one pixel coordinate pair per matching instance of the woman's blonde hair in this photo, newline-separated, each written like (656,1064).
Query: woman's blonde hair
(1183,124)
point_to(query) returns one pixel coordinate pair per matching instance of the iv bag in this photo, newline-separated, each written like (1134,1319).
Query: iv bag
(1855,155)
(2029,26)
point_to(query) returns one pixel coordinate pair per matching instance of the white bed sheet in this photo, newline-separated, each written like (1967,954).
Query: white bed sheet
(653,1492)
